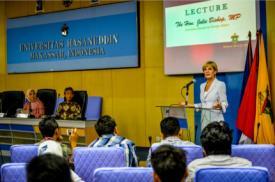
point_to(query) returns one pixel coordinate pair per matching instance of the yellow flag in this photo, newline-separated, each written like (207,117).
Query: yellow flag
(264,128)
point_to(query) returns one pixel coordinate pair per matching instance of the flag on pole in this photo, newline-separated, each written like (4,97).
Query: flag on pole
(264,130)
(248,64)
(243,139)
(246,113)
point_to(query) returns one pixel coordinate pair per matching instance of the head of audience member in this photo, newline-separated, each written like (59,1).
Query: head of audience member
(68,94)
(48,167)
(216,139)
(170,126)
(105,125)
(169,164)
(210,70)
(31,95)
(49,128)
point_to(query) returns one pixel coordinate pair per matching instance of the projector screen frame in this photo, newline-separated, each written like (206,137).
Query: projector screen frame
(259,23)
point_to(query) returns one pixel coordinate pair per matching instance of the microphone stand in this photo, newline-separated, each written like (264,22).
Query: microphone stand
(258,126)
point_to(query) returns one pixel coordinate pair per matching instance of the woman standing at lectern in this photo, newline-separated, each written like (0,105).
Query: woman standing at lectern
(212,96)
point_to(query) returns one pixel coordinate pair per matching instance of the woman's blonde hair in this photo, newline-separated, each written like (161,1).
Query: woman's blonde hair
(211,64)
(29,91)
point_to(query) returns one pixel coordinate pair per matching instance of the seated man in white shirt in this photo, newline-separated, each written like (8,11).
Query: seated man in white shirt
(170,128)
(216,139)
(50,145)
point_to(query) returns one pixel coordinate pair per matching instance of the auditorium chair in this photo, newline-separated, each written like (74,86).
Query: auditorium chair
(87,159)
(259,154)
(192,151)
(252,174)
(81,97)
(11,101)
(13,172)
(48,97)
(23,153)
(124,174)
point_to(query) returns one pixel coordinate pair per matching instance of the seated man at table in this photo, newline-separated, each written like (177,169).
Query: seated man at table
(108,137)
(170,129)
(169,164)
(216,139)
(51,142)
(68,109)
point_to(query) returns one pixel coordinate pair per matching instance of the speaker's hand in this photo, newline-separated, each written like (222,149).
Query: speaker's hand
(217,105)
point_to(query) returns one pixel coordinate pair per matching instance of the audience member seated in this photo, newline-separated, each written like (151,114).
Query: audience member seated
(170,129)
(68,109)
(48,167)
(33,105)
(51,134)
(216,139)
(169,164)
(108,137)
(51,142)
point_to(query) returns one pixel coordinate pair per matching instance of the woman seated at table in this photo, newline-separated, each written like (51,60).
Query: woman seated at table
(33,105)
(68,109)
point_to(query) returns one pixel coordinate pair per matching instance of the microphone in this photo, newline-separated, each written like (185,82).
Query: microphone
(190,83)
(196,128)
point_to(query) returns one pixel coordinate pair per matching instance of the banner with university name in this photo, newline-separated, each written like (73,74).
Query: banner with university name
(89,38)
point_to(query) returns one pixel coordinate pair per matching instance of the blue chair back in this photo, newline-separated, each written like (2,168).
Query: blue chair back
(23,153)
(123,174)
(259,154)
(13,172)
(192,151)
(87,159)
(253,174)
